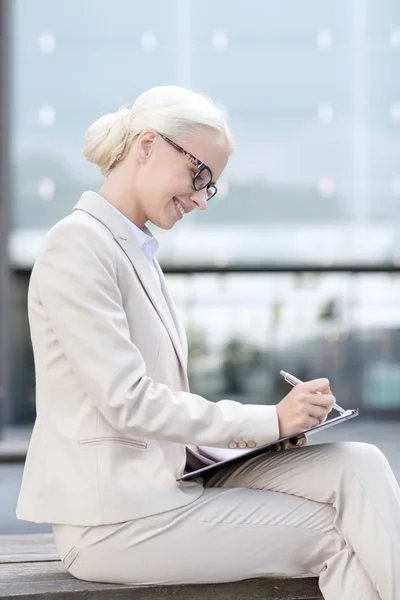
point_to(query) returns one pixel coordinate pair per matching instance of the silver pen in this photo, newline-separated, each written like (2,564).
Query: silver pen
(294,381)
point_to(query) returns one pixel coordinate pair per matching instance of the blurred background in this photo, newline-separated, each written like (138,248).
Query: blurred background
(295,264)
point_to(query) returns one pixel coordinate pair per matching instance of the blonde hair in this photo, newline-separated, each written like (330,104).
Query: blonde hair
(174,111)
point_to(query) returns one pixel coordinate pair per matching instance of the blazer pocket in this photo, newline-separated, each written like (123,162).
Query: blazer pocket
(121,441)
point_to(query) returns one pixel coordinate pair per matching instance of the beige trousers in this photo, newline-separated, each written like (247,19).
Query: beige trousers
(331,509)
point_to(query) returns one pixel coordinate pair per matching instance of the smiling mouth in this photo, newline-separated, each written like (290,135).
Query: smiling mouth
(179,208)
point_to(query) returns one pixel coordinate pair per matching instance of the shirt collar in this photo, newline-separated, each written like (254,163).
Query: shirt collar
(144,237)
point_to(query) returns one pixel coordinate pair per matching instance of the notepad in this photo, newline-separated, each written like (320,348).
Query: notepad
(225,457)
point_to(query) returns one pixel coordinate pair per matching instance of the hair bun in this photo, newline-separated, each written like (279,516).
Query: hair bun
(105,139)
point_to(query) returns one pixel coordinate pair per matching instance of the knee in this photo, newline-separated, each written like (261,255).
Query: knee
(362,458)
(362,451)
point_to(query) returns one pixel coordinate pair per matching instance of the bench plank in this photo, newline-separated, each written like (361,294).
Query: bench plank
(27,548)
(50,581)
(31,570)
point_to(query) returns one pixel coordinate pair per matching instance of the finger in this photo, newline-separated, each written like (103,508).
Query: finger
(295,443)
(291,445)
(327,391)
(315,385)
(316,411)
(299,441)
(302,442)
(311,422)
(325,400)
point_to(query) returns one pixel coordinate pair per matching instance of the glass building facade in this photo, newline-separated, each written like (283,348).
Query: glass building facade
(312,94)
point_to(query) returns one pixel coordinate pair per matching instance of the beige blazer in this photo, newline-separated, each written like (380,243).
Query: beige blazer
(114,411)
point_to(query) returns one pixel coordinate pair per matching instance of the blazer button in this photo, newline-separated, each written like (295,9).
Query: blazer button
(242,444)
(251,444)
(233,445)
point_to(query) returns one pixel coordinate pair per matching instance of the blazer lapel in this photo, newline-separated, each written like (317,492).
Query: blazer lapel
(99,209)
(172,308)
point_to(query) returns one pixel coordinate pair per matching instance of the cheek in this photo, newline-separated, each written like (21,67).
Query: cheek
(155,183)
(160,183)
(174,183)
(156,195)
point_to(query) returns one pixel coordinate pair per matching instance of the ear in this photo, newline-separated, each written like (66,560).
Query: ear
(145,144)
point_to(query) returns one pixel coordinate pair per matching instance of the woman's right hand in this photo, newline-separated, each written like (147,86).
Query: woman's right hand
(306,405)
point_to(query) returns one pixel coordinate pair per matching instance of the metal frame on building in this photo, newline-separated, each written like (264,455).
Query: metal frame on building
(5,407)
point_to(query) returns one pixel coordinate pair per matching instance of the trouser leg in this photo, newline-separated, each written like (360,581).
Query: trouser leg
(225,535)
(357,481)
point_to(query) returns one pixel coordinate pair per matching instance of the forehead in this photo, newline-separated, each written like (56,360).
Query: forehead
(211,148)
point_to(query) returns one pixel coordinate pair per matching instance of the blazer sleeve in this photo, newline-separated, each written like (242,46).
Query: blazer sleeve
(76,279)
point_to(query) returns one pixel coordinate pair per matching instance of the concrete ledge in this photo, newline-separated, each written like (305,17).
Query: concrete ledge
(31,570)
(50,581)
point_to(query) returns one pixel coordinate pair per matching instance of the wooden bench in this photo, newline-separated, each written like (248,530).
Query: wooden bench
(30,570)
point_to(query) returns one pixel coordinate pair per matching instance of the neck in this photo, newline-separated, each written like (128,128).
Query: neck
(124,200)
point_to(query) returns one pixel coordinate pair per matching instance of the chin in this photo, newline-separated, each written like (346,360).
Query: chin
(166,225)
(169,225)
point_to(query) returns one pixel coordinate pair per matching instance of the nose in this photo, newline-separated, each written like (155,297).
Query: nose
(199,198)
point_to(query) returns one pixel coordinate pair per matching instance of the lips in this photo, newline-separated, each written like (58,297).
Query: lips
(178,203)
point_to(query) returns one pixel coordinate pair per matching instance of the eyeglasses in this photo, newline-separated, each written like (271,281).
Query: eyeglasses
(203,177)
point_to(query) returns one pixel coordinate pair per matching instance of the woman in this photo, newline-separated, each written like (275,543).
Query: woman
(114,411)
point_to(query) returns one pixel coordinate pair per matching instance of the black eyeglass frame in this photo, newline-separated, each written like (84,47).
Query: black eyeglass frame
(211,188)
